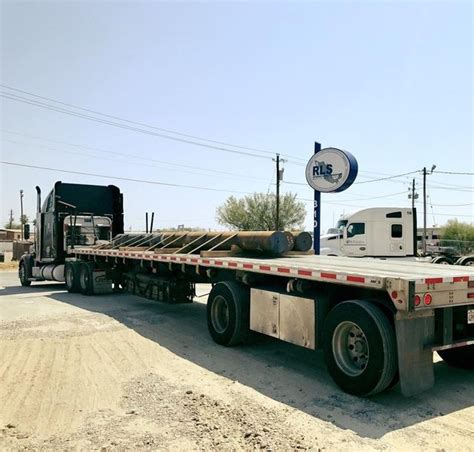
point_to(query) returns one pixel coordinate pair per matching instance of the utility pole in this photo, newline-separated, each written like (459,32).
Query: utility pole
(278,193)
(11,218)
(279,178)
(412,194)
(21,213)
(425,173)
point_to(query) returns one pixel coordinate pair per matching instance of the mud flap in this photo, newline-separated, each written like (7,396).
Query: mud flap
(415,334)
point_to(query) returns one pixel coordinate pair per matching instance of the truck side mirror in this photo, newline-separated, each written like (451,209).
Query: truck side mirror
(26,231)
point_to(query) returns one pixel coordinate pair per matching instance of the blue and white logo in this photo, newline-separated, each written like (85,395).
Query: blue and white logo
(331,170)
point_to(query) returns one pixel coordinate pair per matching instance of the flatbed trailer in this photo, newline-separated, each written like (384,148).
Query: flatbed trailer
(377,321)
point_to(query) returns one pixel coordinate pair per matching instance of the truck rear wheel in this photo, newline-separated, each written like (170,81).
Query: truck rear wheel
(462,357)
(85,278)
(23,275)
(360,348)
(72,276)
(228,313)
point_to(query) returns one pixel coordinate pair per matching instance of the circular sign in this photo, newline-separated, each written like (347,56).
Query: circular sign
(331,170)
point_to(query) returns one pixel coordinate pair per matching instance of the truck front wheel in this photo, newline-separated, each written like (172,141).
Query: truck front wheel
(360,348)
(228,313)
(462,357)
(23,274)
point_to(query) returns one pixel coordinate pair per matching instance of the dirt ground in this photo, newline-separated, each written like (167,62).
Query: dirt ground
(121,372)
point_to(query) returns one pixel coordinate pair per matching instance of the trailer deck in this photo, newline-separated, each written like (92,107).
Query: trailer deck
(367,272)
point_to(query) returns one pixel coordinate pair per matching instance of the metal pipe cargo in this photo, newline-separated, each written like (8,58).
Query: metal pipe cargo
(271,242)
(303,241)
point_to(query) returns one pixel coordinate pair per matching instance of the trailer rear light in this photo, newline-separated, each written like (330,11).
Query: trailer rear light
(427,299)
(394,294)
(417,300)
(470,295)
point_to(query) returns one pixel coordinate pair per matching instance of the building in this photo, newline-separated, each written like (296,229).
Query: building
(8,235)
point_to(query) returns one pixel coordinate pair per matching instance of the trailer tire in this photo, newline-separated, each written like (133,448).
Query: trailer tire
(228,313)
(443,260)
(72,276)
(23,274)
(462,357)
(85,278)
(360,348)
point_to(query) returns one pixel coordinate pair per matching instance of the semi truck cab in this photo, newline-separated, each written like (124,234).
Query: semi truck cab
(71,215)
(375,232)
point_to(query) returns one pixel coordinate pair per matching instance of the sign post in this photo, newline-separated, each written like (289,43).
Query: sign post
(329,170)
(317,212)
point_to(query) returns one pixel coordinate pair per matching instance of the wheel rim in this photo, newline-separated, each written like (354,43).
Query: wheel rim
(351,349)
(220,314)
(469,264)
(22,273)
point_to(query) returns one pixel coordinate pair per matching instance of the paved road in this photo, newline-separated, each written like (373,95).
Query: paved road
(119,372)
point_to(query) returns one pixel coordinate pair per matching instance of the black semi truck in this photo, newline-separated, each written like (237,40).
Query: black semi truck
(72,215)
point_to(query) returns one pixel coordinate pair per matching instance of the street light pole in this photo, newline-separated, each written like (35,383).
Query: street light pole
(279,178)
(277,192)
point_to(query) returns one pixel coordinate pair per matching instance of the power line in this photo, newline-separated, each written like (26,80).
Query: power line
(35,103)
(144,181)
(455,172)
(144,124)
(386,178)
(366,181)
(377,197)
(180,166)
(194,187)
(454,205)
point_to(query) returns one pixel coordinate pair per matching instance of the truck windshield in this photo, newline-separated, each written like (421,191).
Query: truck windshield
(341,224)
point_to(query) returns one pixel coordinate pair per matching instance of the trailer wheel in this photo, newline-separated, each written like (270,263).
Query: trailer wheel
(85,278)
(23,275)
(72,276)
(360,348)
(228,313)
(441,260)
(462,357)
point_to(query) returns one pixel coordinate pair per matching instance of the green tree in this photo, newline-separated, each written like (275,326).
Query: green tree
(458,235)
(14,225)
(257,212)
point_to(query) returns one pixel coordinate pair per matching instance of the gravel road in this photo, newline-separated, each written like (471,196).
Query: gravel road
(121,372)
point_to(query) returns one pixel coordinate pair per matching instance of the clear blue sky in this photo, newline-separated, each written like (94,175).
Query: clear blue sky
(390,82)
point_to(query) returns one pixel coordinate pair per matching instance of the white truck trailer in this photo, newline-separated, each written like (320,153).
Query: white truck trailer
(377,321)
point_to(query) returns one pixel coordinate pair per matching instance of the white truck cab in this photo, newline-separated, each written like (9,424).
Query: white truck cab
(377,232)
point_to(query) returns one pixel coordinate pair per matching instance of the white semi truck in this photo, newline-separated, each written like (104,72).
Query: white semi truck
(378,322)
(382,232)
